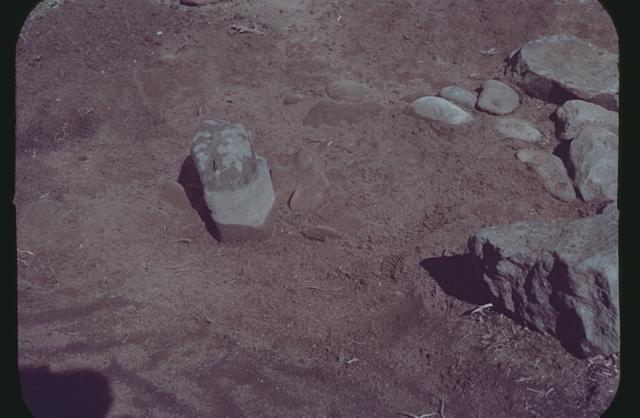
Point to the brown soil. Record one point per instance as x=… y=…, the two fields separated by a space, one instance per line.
x=128 y=307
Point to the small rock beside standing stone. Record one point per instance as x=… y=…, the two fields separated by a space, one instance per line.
x=498 y=98
x=311 y=191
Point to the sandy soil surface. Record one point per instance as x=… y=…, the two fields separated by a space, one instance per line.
x=128 y=307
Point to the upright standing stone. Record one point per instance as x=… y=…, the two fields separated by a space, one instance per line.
x=236 y=181
x=557 y=68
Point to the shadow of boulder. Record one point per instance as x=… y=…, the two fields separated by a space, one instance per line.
x=73 y=394
x=458 y=278
x=189 y=179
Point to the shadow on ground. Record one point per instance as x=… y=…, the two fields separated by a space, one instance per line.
x=190 y=180
x=72 y=394
x=457 y=278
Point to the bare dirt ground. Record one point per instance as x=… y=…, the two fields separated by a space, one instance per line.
x=129 y=308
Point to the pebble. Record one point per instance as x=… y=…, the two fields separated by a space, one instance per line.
x=321 y=233
x=293 y=98
x=459 y=96
x=498 y=98
x=310 y=192
x=515 y=128
x=438 y=109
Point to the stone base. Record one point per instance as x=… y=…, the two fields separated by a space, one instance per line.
x=229 y=233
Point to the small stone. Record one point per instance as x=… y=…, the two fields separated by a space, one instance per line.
x=174 y=194
x=438 y=109
x=575 y=115
x=304 y=159
x=310 y=192
x=333 y=113
x=552 y=172
x=290 y=99
x=321 y=233
x=593 y=161
x=349 y=91
x=562 y=67
x=498 y=98
x=194 y=2
x=519 y=129
x=459 y=96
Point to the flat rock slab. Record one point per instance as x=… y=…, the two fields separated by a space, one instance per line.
x=350 y=91
x=310 y=193
x=515 y=128
x=333 y=113
x=575 y=115
x=438 y=109
x=552 y=172
x=561 y=67
x=559 y=277
x=593 y=163
x=498 y=98
x=236 y=182
x=459 y=96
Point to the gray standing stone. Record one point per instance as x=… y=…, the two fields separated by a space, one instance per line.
x=560 y=277
x=575 y=115
x=459 y=96
x=498 y=98
x=552 y=172
x=557 y=68
x=515 y=128
x=236 y=182
x=311 y=191
x=593 y=163
x=349 y=91
x=438 y=109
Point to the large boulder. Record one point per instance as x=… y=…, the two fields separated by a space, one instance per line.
x=438 y=109
x=236 y=181
x=575 y=115
x=593 y=163
x=557 y=68
x=559 y=277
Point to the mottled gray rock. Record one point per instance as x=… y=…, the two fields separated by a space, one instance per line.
x=333 y=113
x=515 y=128
x=557 y=68
x=459 y=96
x=552 y=172
x=575 y=115
x=593 y=163
x=311 y=191
x=559 y=277
x=498 y=98
x=438 y=109
x=349 y=91
x=236 y=182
